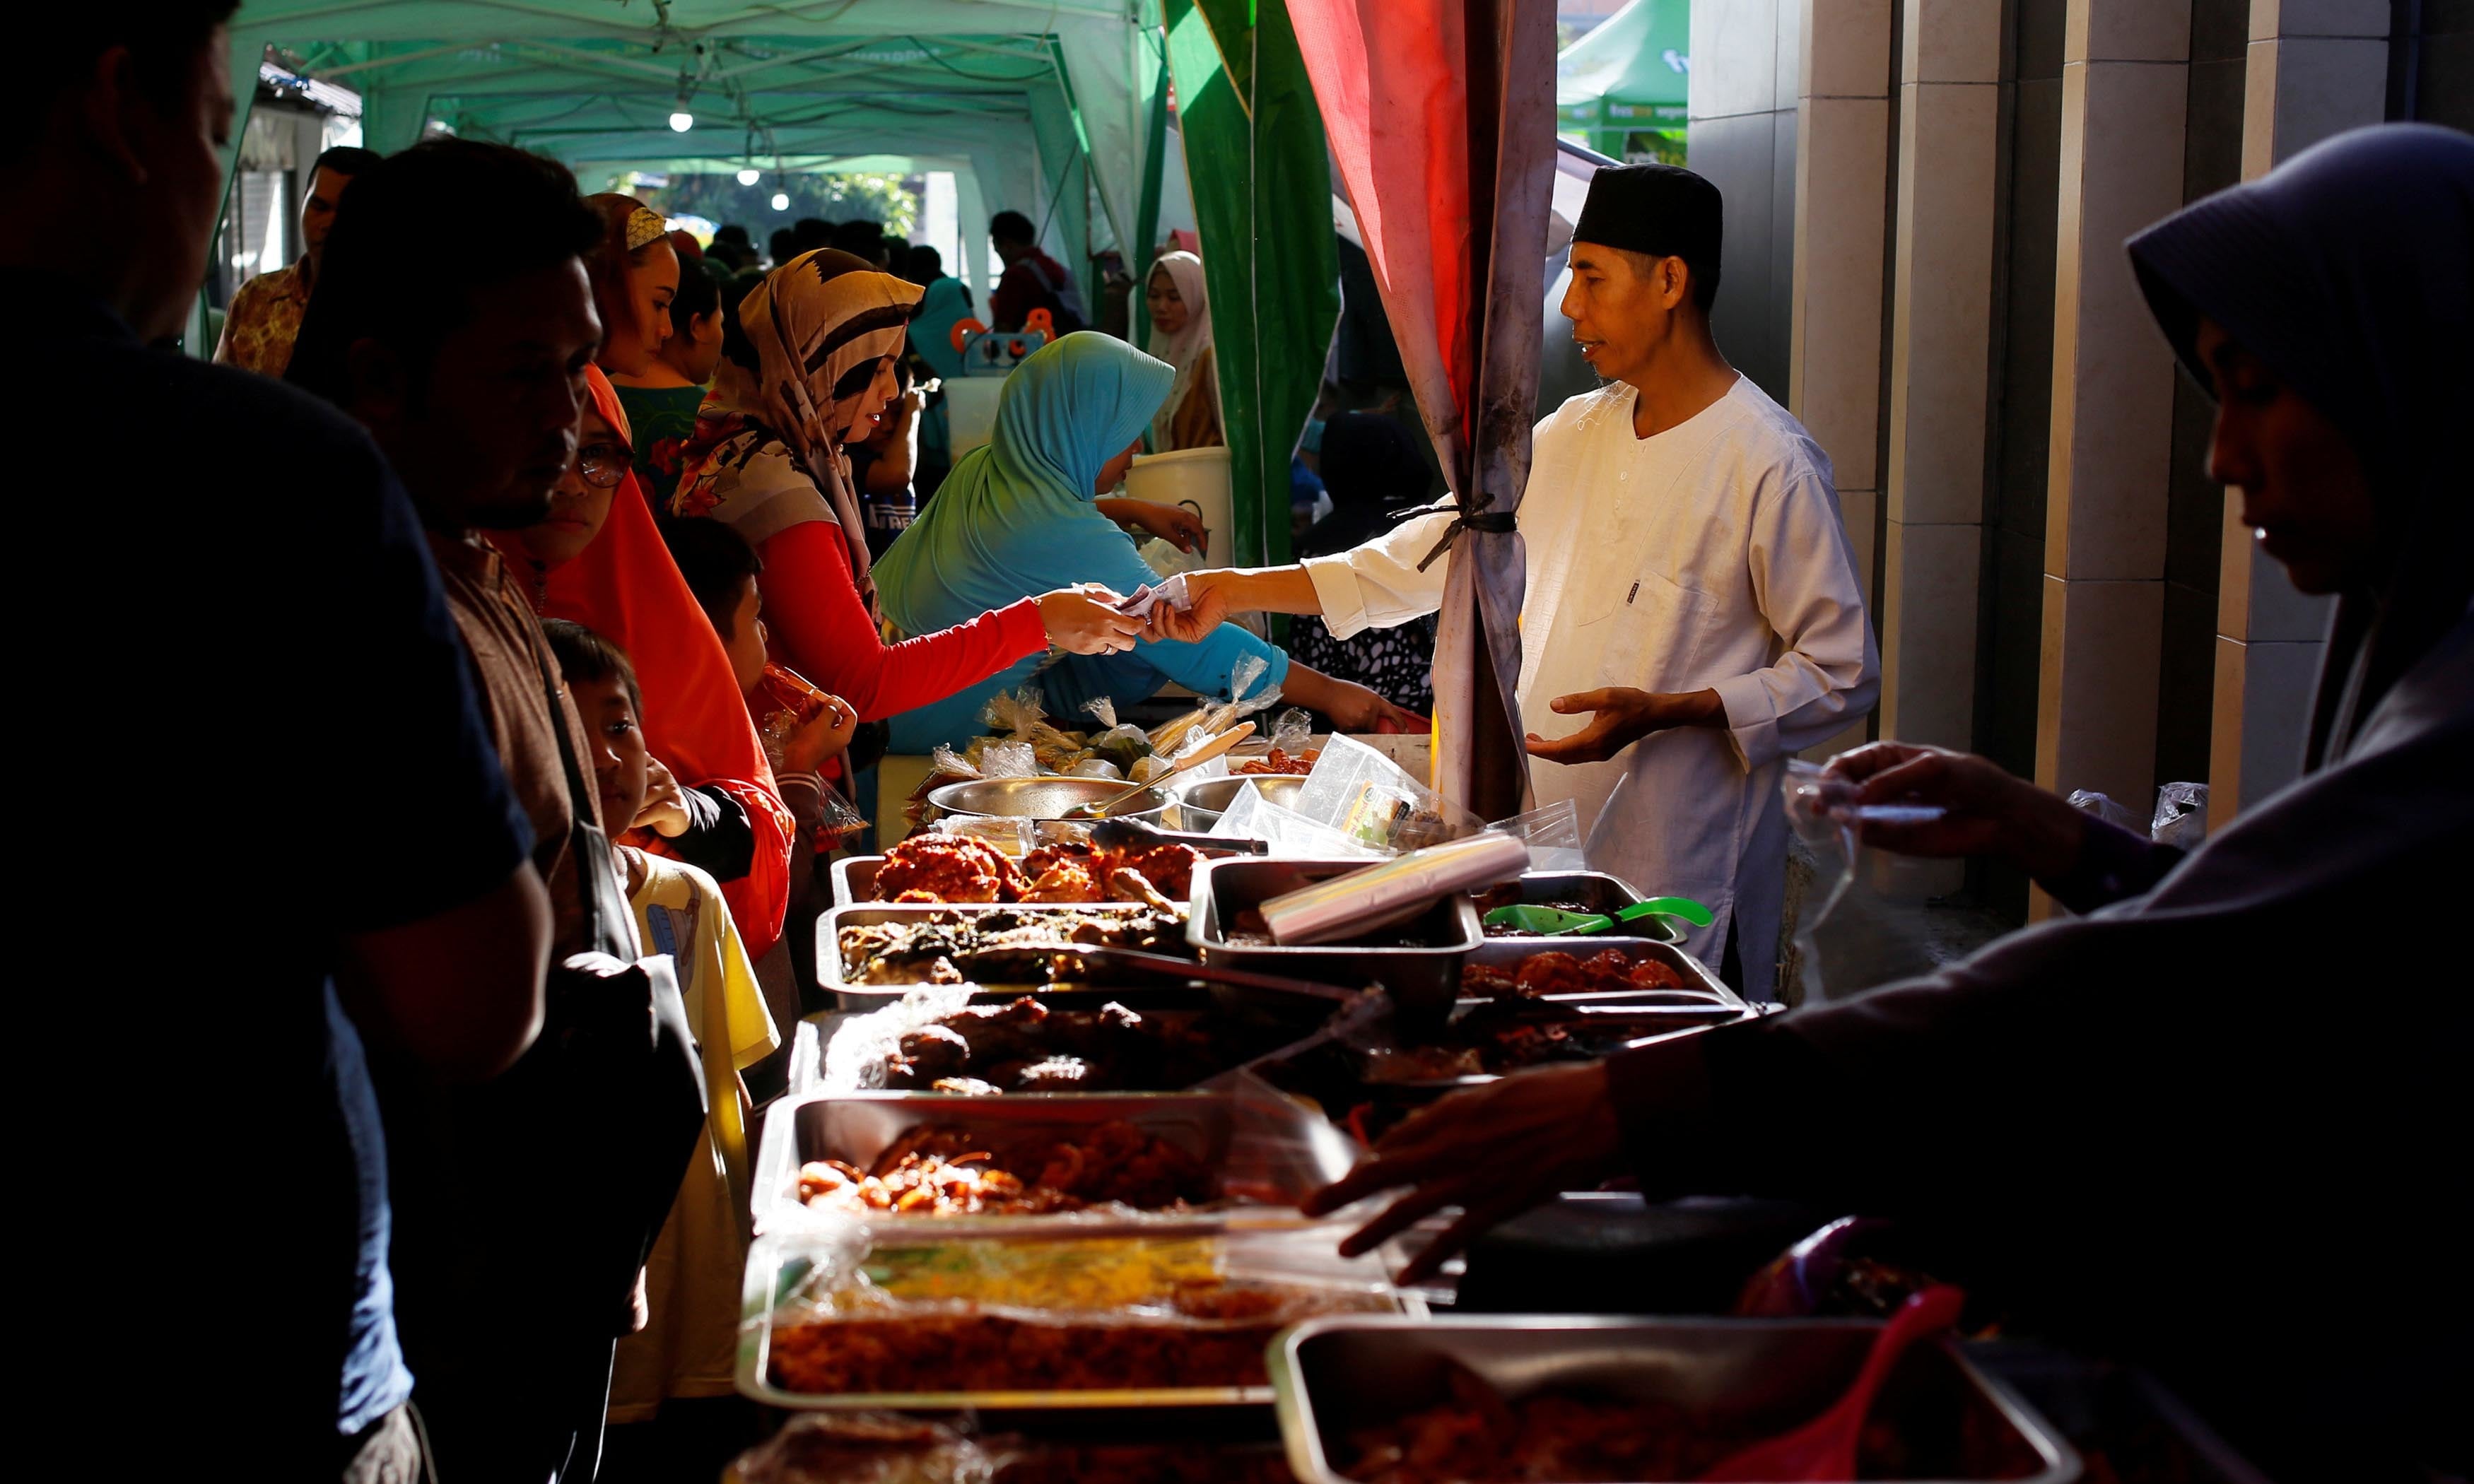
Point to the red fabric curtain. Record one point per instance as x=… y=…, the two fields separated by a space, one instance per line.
x=1441 y=115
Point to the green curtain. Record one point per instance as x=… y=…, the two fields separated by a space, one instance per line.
x=1261 y=178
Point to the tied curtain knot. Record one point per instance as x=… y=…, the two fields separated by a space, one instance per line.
x=1473 y=516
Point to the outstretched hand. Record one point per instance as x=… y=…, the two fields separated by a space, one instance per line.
x=1493 y=1151
x=1084 y=620
x=1623 y=716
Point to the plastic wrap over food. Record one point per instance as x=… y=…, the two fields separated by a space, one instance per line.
x=1095 y=767
x=2106 y=809
x=855 y=1058
x=1168 y=1312
x=1553 y=835
x=890 y=1447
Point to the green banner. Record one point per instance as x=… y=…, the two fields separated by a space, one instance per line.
x=1262 y=202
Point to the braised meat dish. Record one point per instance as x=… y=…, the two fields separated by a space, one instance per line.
x=947 y=868
x=1028 y=1048
x=999 y=947
x=1569 y=1435
x=1563 y=974
x=933 y=1170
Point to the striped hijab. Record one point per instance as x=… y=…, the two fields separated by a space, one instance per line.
x=820 y=323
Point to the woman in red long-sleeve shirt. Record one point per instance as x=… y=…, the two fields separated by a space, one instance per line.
x=807 y=367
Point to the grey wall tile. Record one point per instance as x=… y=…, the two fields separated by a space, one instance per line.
x=1737 y=155
x=2039 y=28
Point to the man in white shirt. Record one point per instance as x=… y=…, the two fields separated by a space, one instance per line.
x=1690 y=584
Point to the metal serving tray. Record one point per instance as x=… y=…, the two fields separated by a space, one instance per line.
x=1422 y=979
x=1048 y=797
x=1197 y=803
x=1594 y=891
x=1505 y=952
x=832 y=976
x=776 y=1266
x=1336 y=1374
x=1286 y=1152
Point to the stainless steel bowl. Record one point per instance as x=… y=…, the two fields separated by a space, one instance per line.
x=1044 y=798
x=1198 y=803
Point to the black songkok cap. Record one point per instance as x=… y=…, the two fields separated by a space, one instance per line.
x=1662 y=210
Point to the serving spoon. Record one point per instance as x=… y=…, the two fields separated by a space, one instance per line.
x=1824 y=1448
x=1193 y=759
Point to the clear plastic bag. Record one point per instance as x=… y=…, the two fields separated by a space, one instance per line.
x=1366 y=797
x=1291 y=835
x=1009 y=761
x=2103 y=807
x=1849 y=935
x=1243 y=698
x=1096 y=768
x=1294 y=733
x=2181 y=816
x=1121 y=745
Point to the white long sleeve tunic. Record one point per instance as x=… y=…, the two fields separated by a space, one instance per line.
x=1710 y=556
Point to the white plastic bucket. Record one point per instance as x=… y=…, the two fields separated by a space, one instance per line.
x=1196 y=475
x=971 y=411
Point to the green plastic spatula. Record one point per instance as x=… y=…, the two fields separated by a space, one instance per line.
x=1555 y=923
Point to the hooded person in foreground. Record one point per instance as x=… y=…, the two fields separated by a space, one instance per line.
x=2180 y=1131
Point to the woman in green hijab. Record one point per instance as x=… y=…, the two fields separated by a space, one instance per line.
x=1021 y=515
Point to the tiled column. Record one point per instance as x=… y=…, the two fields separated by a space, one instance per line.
x=2314 y=69
x=1940 y=325
x=1842 y=204
x=2124 y=89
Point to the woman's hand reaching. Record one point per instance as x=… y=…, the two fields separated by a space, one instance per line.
x=1207 y=609
x=1083 y=620
x=1175 y=524
x=1493 y=1151
x=1985 y=810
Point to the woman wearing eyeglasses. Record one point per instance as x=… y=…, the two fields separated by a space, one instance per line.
x=599 y=560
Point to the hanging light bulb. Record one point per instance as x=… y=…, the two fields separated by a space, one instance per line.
x=781 y=200
x=682 y=121
x=750 y=176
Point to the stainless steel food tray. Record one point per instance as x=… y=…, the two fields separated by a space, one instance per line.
x=834 y=976
x=776 y=1266
x=1336 y=1374
x=1422 y=978
x=1594 y=891
x=1282 y=1150
x=1197 y=803
x=1505 y=952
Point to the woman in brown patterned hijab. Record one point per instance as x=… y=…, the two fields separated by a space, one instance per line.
x=807 y=367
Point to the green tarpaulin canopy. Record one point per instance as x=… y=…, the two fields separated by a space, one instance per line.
x=1055 y=108
x=1628 y=76
x=1041 y=108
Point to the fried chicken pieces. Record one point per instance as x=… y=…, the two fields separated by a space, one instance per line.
x=957 y=869
x=947 y=868
x=931 y=1170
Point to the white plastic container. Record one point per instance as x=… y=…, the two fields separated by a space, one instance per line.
x=1196 y=475
x=971 y=410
